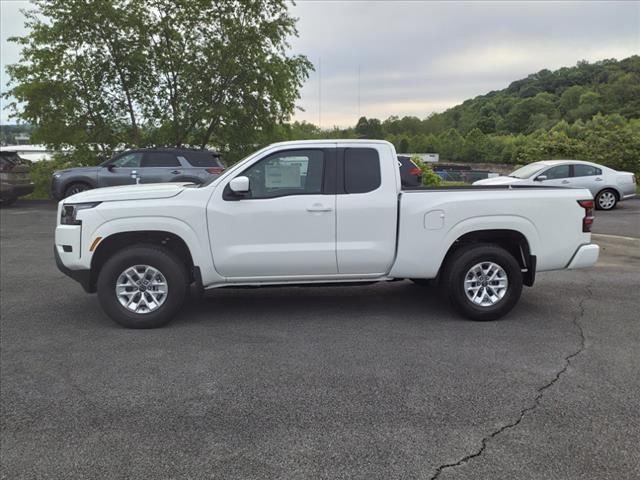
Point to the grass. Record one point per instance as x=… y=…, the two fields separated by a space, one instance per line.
x=454 y=184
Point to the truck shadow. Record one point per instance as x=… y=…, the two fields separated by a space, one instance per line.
x=394 y=299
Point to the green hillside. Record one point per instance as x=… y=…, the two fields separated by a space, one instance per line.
x=542 y=99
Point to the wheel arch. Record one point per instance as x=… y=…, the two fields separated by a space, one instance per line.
x=513 y=241
x=117 y=241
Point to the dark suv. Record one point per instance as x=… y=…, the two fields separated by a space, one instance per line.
x=410 y=173
x=15 y=180
x=149 y=165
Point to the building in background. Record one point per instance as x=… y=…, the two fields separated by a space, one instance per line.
x=425 y=157
x=34 y=153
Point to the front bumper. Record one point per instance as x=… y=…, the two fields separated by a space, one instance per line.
x=83 y=277
x=585 y=256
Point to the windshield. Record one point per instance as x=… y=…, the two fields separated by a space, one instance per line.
x=528 y=170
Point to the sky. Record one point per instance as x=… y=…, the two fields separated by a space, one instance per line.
x=382 y=58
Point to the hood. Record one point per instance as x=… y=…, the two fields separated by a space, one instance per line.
x=128 y=192
x=498 y=181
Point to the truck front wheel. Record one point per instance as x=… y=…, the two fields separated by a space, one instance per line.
x=484 y=281
x=142 y=286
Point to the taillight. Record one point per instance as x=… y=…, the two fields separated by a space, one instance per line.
x=587 y=221
x=215 y=170
x=415 y=171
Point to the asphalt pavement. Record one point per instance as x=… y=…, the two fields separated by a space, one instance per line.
x=377 y=382
x=623 y=220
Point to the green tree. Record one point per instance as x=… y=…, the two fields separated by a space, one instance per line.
x=452 y=145
x=404 y=145
x=475 y=146
x=369 y=128
x=105 y=74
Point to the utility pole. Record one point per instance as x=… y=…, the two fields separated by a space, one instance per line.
x=358 y=92
x=320 y=92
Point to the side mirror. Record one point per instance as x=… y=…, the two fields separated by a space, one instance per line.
x=239 y=185
x=541 y=178
x=110 y=167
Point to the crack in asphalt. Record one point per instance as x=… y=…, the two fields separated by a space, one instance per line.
x=536 y=400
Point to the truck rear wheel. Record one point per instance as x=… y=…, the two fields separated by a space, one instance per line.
x=142 y=286
x=483 y=281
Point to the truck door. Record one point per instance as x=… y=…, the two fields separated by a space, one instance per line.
x=286 y=225
x=367 y=209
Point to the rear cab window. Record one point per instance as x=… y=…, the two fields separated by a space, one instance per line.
x=361 y=170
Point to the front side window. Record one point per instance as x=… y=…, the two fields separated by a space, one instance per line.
x=361 y=170
x=129 y=160
x=160 y=159
x=581 y=170
x=561 y=171
x=294 y=172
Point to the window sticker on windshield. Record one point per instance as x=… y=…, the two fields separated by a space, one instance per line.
x=283 y=176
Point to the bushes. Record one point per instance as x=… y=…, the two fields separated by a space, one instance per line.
x=42 y=171
x=429 y=177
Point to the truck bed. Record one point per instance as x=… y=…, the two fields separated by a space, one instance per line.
x=433 y=218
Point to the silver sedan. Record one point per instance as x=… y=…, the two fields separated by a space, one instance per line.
x=607 y=185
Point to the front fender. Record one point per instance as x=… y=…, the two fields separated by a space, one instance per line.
x=196 y=242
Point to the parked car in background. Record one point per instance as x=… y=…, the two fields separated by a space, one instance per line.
x=607 y=185
x=410 y=173
x=151 y=165
x=15 y=180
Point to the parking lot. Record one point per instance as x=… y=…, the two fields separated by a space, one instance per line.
x=370 y=382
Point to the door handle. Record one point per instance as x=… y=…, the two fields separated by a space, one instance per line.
x=598 y=179
x=317 y=207
x=175 y=172
x=566 y=181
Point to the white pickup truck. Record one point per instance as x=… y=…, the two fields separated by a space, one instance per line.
x=317 y=212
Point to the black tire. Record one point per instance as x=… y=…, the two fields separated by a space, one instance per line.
x=174 y=271
x=76 y=187
x=604 y=198
x=7 y=202
x=460 y=264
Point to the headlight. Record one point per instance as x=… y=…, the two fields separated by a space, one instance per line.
x=69 y=212
x=57 y=175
